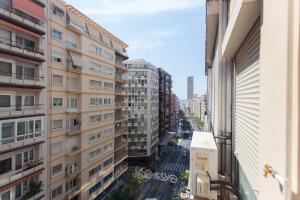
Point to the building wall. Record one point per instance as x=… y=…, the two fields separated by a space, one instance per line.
x=23 y=126
x=82 y=69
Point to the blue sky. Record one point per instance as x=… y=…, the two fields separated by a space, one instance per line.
x=168 y=33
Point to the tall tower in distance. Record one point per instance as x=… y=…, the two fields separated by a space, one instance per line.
x=190 y=89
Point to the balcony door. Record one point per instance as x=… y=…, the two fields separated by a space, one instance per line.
x=19 y=104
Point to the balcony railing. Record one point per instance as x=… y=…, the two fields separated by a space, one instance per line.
x=121 y=77
x=72 y=169
x=73 y=130
x=121 y=131
x=73 y=68
x=120 y=157
x=120 y=144
x=119 y=117
x=22 y=80
x=21 y=110
x=18 y=16
x=21 y=50
x=21 y=138
x=25 y=170
x=120 y=169
x=73 y=151
x=74 y=190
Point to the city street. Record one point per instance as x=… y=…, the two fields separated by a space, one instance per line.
x=172 y=163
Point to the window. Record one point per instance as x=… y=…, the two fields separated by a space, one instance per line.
x=95 y=101
x=107 y=55
x=108 y=86
x=5 y=68
x=24 y=43
x=5 y=166
x=5 y=101
x=5 y=35
x=57 y=191
x=95 y=170
x=57 y=148
x=108 y=71
x=107 y=147
x=108 y=116
x=72 y=102
x=57 y=169
x=57 y=35
x=95 y=49
x=29 y=100
x=23 y=158
x=57 y=80
x=107 y=178
x=95 y=67
x=57 y=57
x=107 y=162
x=95 y=118
x=96 y=187
x=94 y=154
x=58 y=12
x=8 y=131
x=107 y=101
x=57 y=102
x=5 y=195
x=95 y=136
x=38 y=125
x=57 y=124
x=95 y=84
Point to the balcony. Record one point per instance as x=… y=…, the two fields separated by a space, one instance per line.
x=72 y=109
x=120 y=169
x=121 y=131
x=73 y=191
x=119 y=105
x=16 y=17
x=25 y=170
x=11 y=143
x=74 y=130
x=71 y=24
x=73 y=68
x=10 y=47
x=119 y=157
x=73 y=151
x=119 y=117
x=73 y=47
x=72 y=169
x=120 y=143
x=19 y=110
x=22 y=81
x=122 y=78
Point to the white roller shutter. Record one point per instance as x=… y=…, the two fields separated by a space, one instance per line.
x=246 y=105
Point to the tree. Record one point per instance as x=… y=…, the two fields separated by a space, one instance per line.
x=184 y=176
x=185 y=125
x=135 y=179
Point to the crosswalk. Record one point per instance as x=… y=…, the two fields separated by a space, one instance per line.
x=175 y=167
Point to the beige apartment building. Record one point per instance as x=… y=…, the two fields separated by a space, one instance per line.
x=252 y=65
x=23 y=76
x=87 y=149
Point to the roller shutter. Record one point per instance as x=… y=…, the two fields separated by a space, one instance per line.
x=246 y=105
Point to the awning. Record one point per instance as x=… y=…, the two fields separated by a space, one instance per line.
x=30 y=8
x=19 y=28
x=76 y=58
x=167 y=138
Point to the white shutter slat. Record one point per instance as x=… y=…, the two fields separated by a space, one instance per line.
x=246 y=105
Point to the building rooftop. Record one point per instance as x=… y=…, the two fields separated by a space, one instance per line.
x=203 y=140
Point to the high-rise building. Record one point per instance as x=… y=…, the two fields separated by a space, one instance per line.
x=87 y=148
x=190 y=90
x=252 y=68
x=23 y=80
x=142 y=102
x=165 y=87
x=174 y=112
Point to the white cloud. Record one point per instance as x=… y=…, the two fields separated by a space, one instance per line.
x=120 y=8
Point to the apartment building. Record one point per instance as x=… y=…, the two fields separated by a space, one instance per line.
x=86 y=149
x=252 y=68
x=198 y=107
x=174 y=113
x=165 y=91
x=142 y=102
x=23 y=100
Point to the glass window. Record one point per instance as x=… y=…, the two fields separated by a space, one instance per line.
x=95 y=84
x=5 y=36
x=56 y=34
x=29 y=100
x=58 y=12
x=57 y=102
x=57 y=124
x=5 y=195
x=38 y=125
x=57 y=148
x=5 y=68
x=57 y=169
x=57 y=80
x=4 y=101
x=28 y=73
x=5 y=166
x=57 y=57
x=57 y=191
x=8 y=131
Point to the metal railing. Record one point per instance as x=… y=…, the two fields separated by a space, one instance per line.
x=19 y=138
x=30 y=165
x=36 y=23
x=13 y=43
x=21 y=77
x=121 y=156
x=73 y=130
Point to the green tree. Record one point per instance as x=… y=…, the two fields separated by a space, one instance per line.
x=135 y=179
x=184 y=176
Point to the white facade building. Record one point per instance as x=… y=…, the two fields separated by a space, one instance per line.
x=142 y=107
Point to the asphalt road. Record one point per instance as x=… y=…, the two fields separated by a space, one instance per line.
x=172 y=163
